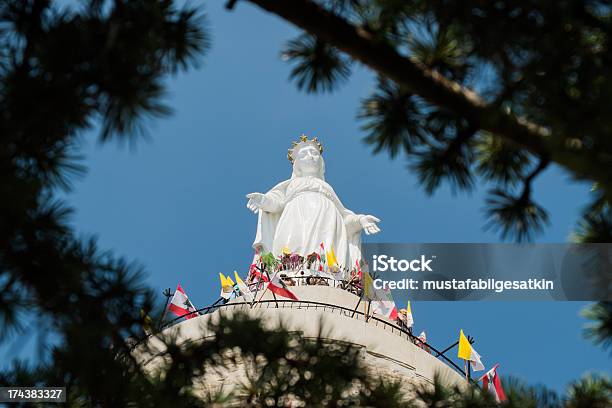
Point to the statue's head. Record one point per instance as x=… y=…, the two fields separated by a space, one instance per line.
x=306 y=158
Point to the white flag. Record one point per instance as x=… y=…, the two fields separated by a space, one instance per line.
x=244 y=289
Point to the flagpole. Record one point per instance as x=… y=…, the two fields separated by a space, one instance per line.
x=262 y=293
x=356 y=306
x=368 y=312
x=260 y=276
x=167 y=293
x=217 y=301
x=469 y=372
x=270 y=282
x=362 y=294
x=255 y=295
x=266 y=289
x=469 y=366
x=256 y=288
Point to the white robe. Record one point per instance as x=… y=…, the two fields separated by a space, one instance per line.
x=311 y=214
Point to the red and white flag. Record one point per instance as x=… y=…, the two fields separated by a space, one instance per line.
x=257 y=276
x=180 y=304
x=253 y=267
x=492 y=383
x=359 y=274
x=278 y=287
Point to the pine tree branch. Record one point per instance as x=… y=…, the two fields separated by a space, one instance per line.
x=529 y=179
x=436 y=88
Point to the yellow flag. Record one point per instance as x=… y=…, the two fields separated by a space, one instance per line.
x=238 y=280
x=227 y=286
x=368 y=285
x=224 y=282
x=465 y=348
x=409 y=318
x=286 y=250
x=467 y=352
x=331 y=257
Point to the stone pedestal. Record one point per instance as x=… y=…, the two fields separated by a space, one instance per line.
x=385 y=349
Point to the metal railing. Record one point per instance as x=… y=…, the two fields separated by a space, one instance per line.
x=352 y=286
x=311 y=305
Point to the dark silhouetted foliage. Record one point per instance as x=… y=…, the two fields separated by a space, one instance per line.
x=65 y=70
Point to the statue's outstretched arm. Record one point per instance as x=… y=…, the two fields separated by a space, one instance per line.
x=369 y=224
x=271 y=202
x=357 y=222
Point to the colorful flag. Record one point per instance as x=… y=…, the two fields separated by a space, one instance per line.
x=269 y=261
x=244 y=289
x=321 y=258
x=368 y=286
x=467 y=353
x=492 y=383
x=409 y=318
x=381 y=299
x=253 y=266
x=227 y=287
x=260 y=277
x=180 y=304
x=359 y=281
x=318 y=259
x=330 y=256
x=278 y=287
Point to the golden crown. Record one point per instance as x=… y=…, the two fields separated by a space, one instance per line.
x=304 y=141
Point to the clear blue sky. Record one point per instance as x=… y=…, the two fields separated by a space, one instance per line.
x=177 y=206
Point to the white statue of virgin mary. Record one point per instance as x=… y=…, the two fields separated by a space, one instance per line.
x=304 y=212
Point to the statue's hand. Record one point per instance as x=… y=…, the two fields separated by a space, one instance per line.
x=259 y=201
x=368 y=223
x=256 y=201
